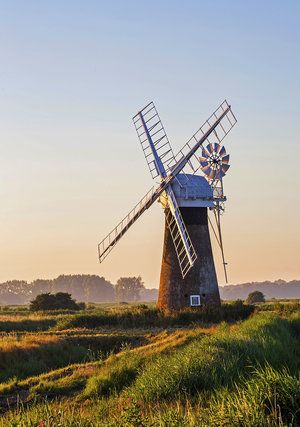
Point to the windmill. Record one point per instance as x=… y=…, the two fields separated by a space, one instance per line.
x=188 y=186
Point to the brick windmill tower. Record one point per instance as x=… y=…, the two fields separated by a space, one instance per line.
x=189 y=185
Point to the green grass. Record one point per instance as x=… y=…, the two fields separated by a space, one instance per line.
x=27 y=355
x=237 y=373
x=145 y=317
x=284 y=308
x=28 y=325
x=270 y=398
x=118 y=317
x=218 y=360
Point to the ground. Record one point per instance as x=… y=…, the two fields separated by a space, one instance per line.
x=122 y=365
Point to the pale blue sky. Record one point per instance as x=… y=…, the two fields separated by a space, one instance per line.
x=72 y=75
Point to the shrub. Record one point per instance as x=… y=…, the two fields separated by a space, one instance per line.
x=61 y=300
x=255 y=297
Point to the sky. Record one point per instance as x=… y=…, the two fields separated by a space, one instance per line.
x=72 y=75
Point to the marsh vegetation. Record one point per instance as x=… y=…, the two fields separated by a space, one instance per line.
x=120 y=365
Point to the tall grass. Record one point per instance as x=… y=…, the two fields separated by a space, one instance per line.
x=270 y=398
x=23 y=356
x=119 y=371
x=282 y=308
x=126 y=317
x=242 y=374
x=219 y=360
x=145 y=317
x=30 y=324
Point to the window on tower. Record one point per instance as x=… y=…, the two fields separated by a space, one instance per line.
x=195 y=300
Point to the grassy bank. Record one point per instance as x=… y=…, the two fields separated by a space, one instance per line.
x=26 y=355
x=146 y=317
x=234 y=374
x=218 y=360
x=120 y=317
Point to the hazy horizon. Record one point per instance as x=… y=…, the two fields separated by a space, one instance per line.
x=146 y=285
x=71 y=167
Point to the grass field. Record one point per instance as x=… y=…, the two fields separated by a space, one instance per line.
x=133 y=366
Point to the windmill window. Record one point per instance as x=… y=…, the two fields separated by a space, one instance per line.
x=195 y=300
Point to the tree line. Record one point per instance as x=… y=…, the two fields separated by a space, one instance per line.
x=92 y=288
x=82 y=287
x=277 y=289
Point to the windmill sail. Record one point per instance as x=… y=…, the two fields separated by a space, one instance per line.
x=184 y=248
x=213 y=131
x=108 y=243
x=150 y=130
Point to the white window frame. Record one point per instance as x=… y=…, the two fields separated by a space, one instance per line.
x=191 y=300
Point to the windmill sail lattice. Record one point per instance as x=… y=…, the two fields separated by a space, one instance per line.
x=221 y=121
x=147 y=123
x=107 y=244
x=159 y=150
x=182 y=242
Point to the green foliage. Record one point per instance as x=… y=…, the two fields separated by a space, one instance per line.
x=28 y=325
x=255 y=297
x=146 y=317
x=218 y=360
x=132 y=415
x=236 y=374
x=114 y=377
x=59 y=301
x=57 y=387
x=282 y=308
x=122 y=317
x=269 y=398
x=21 y=358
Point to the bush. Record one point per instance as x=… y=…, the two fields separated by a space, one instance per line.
x=255 y=297
x=61 y=300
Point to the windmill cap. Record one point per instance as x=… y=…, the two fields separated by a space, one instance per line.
x=192 y=191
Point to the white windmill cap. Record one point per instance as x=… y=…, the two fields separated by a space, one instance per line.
x=192 y=191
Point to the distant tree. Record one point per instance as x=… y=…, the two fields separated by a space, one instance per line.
x=254 y=297
x=128 y=288
x=149 y=294
x=14 y=292
x=97 y=289
x=59 y=301
x=84 y=287
x=40 y=286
